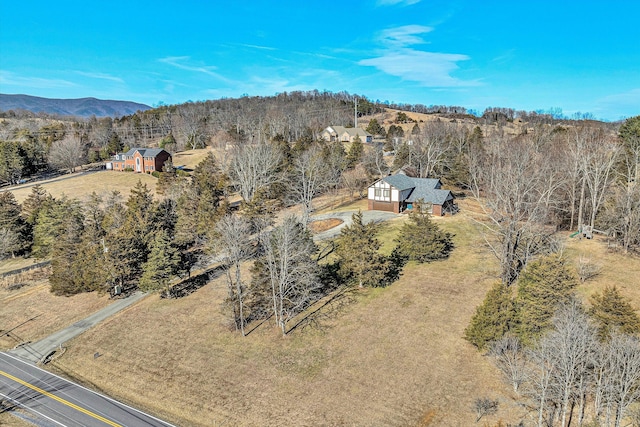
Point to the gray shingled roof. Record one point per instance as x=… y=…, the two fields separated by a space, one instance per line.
x=423 y=188
x=401 y=182
x=437 y=197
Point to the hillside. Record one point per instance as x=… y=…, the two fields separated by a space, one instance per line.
x=82 y=107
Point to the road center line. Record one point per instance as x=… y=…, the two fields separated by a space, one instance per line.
x=59 y=399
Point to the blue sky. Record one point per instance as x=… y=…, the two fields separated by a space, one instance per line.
x=529 y=55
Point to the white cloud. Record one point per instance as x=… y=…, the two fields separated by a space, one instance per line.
x=619 y=105
x=395 y=2
x=429 y=69
x=405 y=35
x=10 y=79
x=101 y=76
x=182 y=62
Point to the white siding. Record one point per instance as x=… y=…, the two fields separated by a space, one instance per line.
x=394 y=195
x=380 y=191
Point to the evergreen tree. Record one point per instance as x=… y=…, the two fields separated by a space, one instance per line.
x=161 y=265
x=402 y=157
x=128 y=243
x=14 y=235
x=355 y=152
x=357 y=252
x=374 y=128
x=542 y=286
x=493 y=318
x=33 y=203
x=421 y=239
x=49 y=224
x=614 y=313
x=12 y=162
x=66 y=260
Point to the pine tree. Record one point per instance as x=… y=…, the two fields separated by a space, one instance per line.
x=493 y=318
x=542 y=286
x=33 y=203
x=355 y=152
x=614 y=313
x=66 y=261
x=357 y=252
x=374 y=128
x=14 y=236
x=420 y=239
x=402 y=156
x=161 y=265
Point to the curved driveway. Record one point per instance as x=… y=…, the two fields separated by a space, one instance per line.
x=367 y=217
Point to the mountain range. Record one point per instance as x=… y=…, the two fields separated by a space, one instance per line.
x=82 y=107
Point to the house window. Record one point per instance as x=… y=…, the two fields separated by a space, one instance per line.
x=377 y=192
x=386 y=193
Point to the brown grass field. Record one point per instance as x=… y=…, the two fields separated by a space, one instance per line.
x=387 y=357
x=103 y=182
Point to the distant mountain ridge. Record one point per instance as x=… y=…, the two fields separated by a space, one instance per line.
x=82 y=107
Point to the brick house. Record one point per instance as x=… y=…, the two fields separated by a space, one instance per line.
x=397 y=193
x=140 y=160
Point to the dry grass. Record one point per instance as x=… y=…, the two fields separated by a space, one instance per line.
x=103 y=182
x=51 y=312
x=189 y=159
x=8 y=420
x=393 y=357
x=10 y=264
x=81 y=186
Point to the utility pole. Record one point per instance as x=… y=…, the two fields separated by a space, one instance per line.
x=355 y=114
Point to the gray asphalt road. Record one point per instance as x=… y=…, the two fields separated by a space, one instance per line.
x=367 y=216
x=58 y=402
x=34 y=352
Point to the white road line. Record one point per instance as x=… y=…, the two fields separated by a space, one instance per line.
x=31 y=410
x=91 y=391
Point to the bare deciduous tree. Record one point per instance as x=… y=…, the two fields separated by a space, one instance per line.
x=293 y=274
x=254 y=167
x=518 y=186
x=310 y=176
x=233 y=244
x=68 y=153
x=509 y=356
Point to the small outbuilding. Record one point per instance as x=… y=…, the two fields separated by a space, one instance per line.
x=397 y=193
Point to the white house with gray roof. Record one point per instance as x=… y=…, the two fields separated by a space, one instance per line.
x=343 y=134
x=396 y=193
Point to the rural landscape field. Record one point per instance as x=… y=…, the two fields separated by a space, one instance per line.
x=379 y=213
x=400 y=354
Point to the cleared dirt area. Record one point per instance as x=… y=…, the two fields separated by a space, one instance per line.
x=324 y=225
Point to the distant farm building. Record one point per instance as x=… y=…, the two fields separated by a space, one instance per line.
x=140 y=160
x=399 y=192
x=343 y=134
